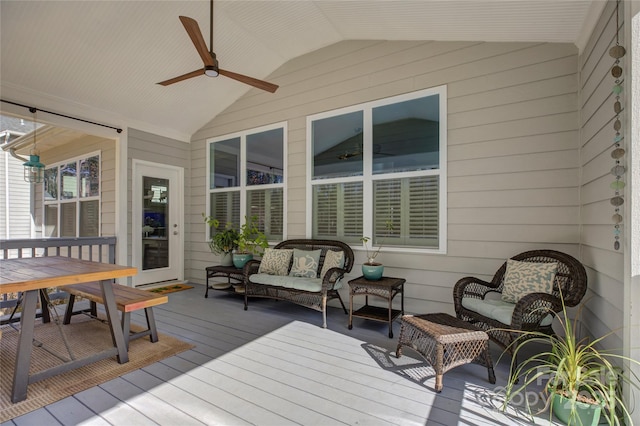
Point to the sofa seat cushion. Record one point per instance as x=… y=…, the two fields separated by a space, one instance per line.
x=313 y=285
x=496 y=309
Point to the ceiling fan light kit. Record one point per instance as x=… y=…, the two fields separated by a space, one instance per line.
x=208 y=57
x=211 y=71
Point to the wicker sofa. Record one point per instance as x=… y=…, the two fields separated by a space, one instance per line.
x=312 y=292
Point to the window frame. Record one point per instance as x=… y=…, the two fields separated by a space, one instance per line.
x=368 y=177
x=242 y=186
x=77 y=200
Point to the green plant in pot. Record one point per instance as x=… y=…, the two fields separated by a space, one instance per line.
x=250 y=241
x=371 y=269
x=582 y=382
x=223 y=241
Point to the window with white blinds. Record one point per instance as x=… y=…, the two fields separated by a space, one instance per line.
x=72 y=198
x=246 y=179
x=379 y=170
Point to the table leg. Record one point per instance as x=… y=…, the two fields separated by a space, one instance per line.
x=114 y=325
x=23 y=354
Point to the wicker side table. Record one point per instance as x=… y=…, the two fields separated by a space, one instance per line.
x=385 y=288
x=228 y=272
x=445 y=342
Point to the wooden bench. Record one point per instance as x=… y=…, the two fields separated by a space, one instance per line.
x=128 y=299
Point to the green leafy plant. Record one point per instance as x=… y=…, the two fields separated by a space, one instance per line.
x=222 y=240
x=250 y=239
x=574 y=368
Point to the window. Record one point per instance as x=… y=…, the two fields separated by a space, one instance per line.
x=72 y=198
x=246 y=178
x=381 y=163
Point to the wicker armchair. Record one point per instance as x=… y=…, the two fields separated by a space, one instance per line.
x=531 y=312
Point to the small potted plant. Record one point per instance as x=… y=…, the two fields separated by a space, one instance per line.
x=582 y=381
x=250 y=241
x=223 y=241
x=371 y=269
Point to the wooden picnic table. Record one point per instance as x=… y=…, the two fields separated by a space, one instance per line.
x=30 y=275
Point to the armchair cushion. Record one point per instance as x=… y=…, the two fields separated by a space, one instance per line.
x=305 y=263
x=496 y=309
x=275 y=262
x=522 y=278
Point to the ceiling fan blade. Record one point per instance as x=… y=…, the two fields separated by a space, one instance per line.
x=269 y=87
x=182 y=77
x=198 y=41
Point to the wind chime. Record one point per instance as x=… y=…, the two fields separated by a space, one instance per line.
x=618 y=170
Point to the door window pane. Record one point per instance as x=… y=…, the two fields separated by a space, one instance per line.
x=225 y=163
x=406 y=136
x=337 y=146
x=155 y=217
x=265 y=157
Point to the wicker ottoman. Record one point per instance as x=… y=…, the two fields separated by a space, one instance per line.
x=445 y=342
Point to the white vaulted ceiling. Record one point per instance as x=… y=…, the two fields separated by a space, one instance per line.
x=103 y=58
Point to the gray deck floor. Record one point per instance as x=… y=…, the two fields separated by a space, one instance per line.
x=275 y=365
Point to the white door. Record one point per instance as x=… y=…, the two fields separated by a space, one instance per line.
x=157 y=222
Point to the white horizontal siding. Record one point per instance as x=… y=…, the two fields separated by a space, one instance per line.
x=605 y=298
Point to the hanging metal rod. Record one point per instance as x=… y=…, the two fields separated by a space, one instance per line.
x=34 y=109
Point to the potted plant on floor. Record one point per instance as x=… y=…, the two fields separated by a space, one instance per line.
x=250 y=241
x=581 y=381
x=223 y=241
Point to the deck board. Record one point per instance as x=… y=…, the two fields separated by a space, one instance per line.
x=275 y=365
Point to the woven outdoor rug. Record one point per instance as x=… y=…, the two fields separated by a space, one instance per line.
x=85 y=336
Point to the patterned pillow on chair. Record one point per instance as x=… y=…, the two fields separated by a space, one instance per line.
x=333 y=259
x=522 y=278
x=305 y=263
x=275 y=262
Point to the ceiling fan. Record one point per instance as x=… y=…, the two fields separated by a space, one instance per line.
x=211 y=68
